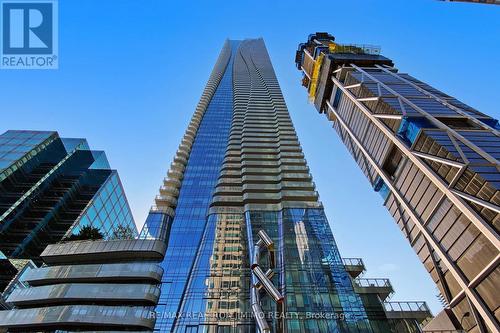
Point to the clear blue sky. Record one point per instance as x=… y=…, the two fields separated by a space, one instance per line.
x=131 y=73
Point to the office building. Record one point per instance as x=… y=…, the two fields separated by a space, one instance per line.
x=51 y=187
x=249 y=247
x=432 y=158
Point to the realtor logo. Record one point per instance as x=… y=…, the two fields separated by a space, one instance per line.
x=28 y=34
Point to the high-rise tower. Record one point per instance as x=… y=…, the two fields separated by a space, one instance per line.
x=433 y=159
x=248 y=242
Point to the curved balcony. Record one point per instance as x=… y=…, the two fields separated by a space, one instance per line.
x=296 y=176
x=186 y=141
x=260 y=151
x=292 y=161
x=233 y=147
x=293 y=148
x=166 y=200
x=260 y=157
x=232 y=153
x=258 y=163
x=274 y=145
x=191 y=130
x=248 y=188
x=189 y=135
x=230 y=173
x=288 y=142
x=227 y=181
x=175 y=174
x=295 y=168
x=183 y=153
x=180 y=159
x=233 y=141
x=163 y=209
x=78 y=317
x=68 y=293
x=227 y=200
x=302 y=204
x=234 y=135
x=169 y=190
x=194 y=122
x=260 y=171
x=185 y=147
x=289 y=137
x=123 y=272
x=288 y=154
x=261 y=179
x=177 y=166
x=300 y=195
x=228 y=190
x=227 y=166
x=172 y=182
x=259 y=131
x=264 y=198
x=103 y=251
x=296 y=185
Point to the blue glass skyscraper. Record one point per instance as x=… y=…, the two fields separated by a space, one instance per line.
x=249 y=247
x=51 y=187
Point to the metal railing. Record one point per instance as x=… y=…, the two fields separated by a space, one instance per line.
x=353 y=262
x=365 y=282
x=356 y=49
x=406 y=306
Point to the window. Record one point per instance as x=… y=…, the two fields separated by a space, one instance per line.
x=392 y=161
x=191 y=329
x=458 y=123
x=336 y=99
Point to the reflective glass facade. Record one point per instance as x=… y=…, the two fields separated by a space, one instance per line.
x=107 y=211
x=51 y=187
x=17 y=147
x=200 y=177
x=311 y=271
x=246 y=232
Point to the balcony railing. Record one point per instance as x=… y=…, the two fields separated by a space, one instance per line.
x=372 y=282
x=353 y=261
x=406 y=306
x=355 y=49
